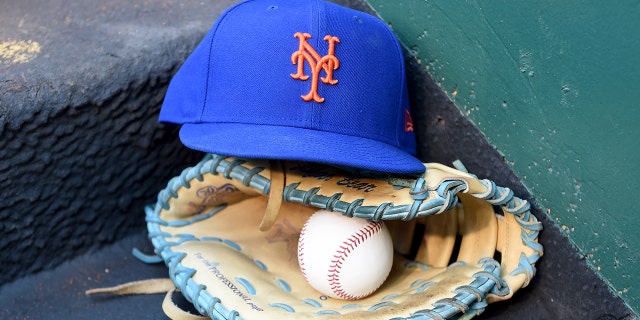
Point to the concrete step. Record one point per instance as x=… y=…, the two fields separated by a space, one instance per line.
x=81 y=150
x=81 y=153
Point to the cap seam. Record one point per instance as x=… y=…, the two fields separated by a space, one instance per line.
x=214 y=39
x=318 y=17
x=400 y=108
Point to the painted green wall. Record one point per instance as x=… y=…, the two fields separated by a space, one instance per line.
x=554 y=85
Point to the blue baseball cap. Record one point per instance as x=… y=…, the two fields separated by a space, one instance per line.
x=297 y=80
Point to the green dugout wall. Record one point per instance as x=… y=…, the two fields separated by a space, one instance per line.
x=554 y=86
x=550 y=85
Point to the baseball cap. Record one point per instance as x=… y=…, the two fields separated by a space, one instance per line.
x=297 y=80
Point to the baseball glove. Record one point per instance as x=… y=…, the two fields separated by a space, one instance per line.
x=228 y=228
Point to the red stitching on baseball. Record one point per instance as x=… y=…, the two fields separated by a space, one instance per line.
x=301 y=252
x=343 y=252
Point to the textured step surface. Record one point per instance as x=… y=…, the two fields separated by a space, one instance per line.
x=81 y=150
x=81 y=153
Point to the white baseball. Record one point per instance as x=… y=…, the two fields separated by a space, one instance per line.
x=342 y=257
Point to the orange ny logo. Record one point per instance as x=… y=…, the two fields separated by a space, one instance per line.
x=328 y=63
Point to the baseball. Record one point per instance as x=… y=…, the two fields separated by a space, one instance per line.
x=342 y=257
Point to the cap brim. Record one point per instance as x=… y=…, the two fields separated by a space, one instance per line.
x=290 y=143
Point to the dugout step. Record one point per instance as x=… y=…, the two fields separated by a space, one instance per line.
x=81 y=153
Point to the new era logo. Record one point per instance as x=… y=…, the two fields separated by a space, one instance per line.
x=307 y=54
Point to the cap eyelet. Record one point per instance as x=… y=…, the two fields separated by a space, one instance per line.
x=272 y=7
